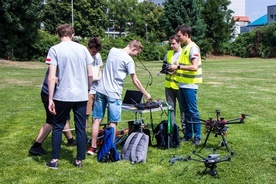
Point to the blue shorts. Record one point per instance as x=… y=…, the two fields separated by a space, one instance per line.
x=113 y=105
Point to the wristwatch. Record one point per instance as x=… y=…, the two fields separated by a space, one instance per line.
x=178 y=67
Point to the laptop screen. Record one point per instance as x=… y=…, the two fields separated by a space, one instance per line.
x=132 y=97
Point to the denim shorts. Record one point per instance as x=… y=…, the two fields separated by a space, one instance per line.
x=113 y=106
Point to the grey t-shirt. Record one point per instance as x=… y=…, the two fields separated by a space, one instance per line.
x=71 y=59
x=118 y=65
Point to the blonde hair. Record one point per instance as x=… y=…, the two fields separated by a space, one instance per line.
x=136 y=44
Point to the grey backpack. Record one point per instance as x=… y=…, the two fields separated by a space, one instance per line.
x=136 y=148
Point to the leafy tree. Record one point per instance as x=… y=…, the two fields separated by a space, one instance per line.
x=122 y=14
x=219 y=24
x=19 y=23
x=178 y=12
x=148 y=20
x=260 y=42
x=89 y=16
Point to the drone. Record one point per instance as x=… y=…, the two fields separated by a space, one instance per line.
x=219 y=127
x=210 y=161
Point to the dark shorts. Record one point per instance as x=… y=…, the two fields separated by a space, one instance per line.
x=49 y=117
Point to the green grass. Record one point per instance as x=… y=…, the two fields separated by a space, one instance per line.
x=233 y=86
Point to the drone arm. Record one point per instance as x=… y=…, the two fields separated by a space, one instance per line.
x=224 y=159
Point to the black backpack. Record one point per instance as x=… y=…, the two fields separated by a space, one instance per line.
x=163 y=138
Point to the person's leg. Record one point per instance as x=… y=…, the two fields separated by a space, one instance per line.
x=68 y=134
x=95 y=132
x=193 y=112
x=171 y=99
x=63 y=111
x=114 y=113
x=89 y=108
x=44 y=131
x=98 y=114
x=79 y=110
x=188 y=134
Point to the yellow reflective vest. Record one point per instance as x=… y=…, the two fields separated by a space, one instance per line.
x=170 y=80
x=186 y=76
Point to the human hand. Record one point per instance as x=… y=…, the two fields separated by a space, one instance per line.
x=148 y=97
x=52 y=107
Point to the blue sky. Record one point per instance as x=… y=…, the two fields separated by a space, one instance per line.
x=254 y=9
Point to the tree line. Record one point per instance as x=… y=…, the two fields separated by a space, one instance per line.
x=27 y=28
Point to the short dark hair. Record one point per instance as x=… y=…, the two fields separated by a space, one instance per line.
x=184 y=29
x=95 y=43
x=65 y=30
x=176 y=38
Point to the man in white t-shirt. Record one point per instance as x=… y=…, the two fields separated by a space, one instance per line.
x=71 y=63
x=118 y=65
x=94 y=47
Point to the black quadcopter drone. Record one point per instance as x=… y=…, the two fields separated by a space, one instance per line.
x=209 y=162
x=219 y=127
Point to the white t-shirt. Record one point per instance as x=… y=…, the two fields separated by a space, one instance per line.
x=97 y=62
x=71 y=59
x=118 y=65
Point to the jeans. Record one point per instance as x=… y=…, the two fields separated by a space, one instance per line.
x=188 y=103
x=63 y=110
x=171 y=96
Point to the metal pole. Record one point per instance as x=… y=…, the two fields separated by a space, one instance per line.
x=72 y=12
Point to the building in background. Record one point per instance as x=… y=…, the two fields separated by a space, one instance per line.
x=271 y=14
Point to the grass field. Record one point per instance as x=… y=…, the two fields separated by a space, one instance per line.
x=231 y=85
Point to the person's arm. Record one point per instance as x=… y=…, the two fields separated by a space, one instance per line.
x=51 y=87
x=192 y=67
x=90 y=75
x=139 y=86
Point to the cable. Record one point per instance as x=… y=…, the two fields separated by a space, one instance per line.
x=149 y=83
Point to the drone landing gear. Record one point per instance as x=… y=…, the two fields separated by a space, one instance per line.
x=213 y=169
x=221 y=144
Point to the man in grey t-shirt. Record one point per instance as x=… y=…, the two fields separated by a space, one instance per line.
x=118 y=65
x=72 y=64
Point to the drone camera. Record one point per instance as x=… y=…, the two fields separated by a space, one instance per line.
x=213 y=157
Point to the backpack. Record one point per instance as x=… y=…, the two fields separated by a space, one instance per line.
x=135 y=148
x=135 y=126
x=165 y=140
x=108 y=151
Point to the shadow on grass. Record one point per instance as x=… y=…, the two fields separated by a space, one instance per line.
x=66 y=154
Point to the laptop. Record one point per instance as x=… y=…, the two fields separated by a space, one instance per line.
x=132 y=97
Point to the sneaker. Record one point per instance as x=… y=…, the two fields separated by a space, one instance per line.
x=77 y=164
x=52 y=165
x=197 y=141
x=184 y=139
x=37 y=151
x=92 y=151
x=71 y=143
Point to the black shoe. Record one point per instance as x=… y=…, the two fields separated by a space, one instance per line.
x=77 y=164
x=71 y=143
x=37 y=151
x=196 y=141
x=52 y=165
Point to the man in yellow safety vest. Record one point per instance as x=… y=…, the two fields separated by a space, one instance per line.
x=188 y=76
